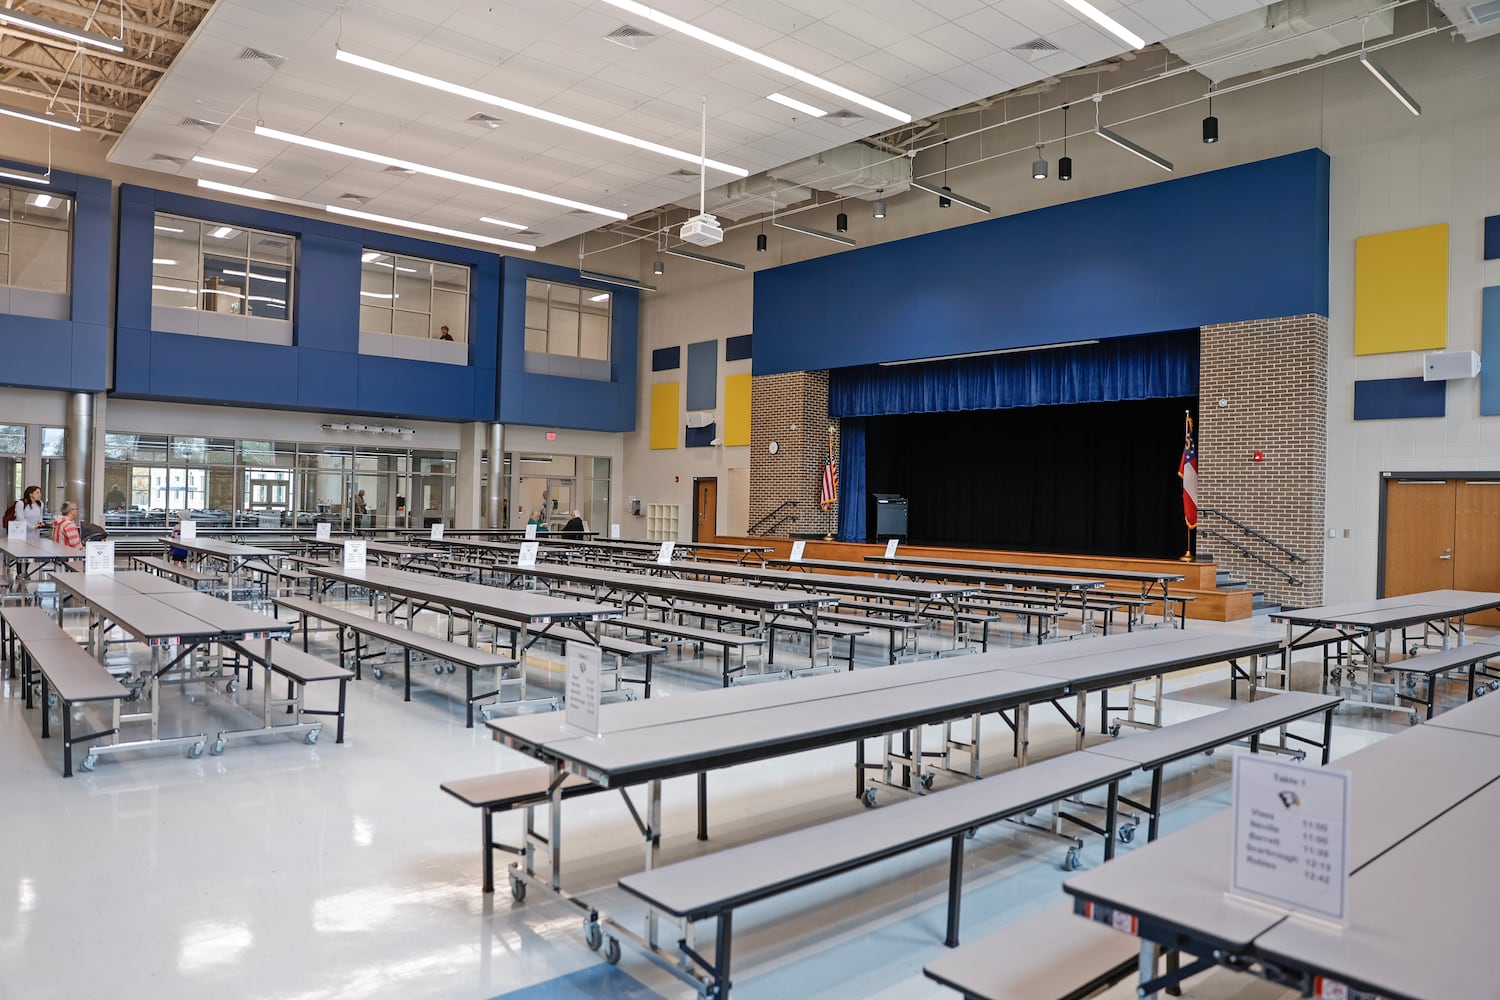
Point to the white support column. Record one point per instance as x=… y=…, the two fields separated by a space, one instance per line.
x=467 y=513
x=494 y=494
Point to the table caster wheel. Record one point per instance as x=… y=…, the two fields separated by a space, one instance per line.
x=196 y=750
x=1072 y=861
x=1114 y=729
x=868 y=798
x=379 y=672
x=1127 y=833
x=1495 y=685
x=217 y=749
x=232 y=687
x=1481 y=691
x=593 y=935
x=311 y=739
x=438 y=669
x=518 y=890
x=1415 y=718
x=612 y=951
x=452 y=668
x=1299 y=756
x=926 y=781
x=1209 y=752
x=90 y=762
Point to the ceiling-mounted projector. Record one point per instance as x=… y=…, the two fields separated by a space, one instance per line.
x=702 y=231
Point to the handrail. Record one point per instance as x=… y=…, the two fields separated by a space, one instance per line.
x=1294 y=557
x=1242 y=550
x=759 y=527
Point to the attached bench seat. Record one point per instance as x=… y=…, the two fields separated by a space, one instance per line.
x=1430 y=666
x=66 y=670
x=1052 y=955
x=182 y=574
x=494 y=793
x=619 y=647
x=726 y=641
x=471 y=658
x=301 y=669
x=833 y=630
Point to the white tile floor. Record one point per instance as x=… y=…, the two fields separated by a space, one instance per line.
x=288 y=871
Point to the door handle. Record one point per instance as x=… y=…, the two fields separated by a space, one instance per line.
x=1445 y=557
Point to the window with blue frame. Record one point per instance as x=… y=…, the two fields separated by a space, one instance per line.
x=567 y=329
x=229 y=270
x=413 y=297
x=35 y=251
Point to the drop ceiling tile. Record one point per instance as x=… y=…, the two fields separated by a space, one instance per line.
x=840 y=44
x=1223 y=10
x=959 y=41
x=1002 y=31
x=1171 y=17
x=1042 y=16
x=952 y=10
x=1086 y=43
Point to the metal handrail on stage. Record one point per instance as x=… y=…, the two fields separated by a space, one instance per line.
x=779 y=516
x=1294 y=557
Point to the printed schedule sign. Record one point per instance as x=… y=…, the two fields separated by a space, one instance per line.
x=531 y=531
x=99 y=557
x=890 y=548
x=797 y=549
x=584 y=691
x=664 y=554
x=187 y=529
x=324 y=531
x=614 y=531
x=437 y=531
x=354 y=555
x=15 y=531
x=528 y=554
x=1291 y=836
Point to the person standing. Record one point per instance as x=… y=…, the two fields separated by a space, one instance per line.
x=29 y=510
x=65 y=526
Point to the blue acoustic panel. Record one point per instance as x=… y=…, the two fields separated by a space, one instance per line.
x=665 y=359
x=1489 y=366
x=1399 y=398
x=703 y=375
x=701 y=437
x=738 y=348
x=1492 y=238
x=1165 y=256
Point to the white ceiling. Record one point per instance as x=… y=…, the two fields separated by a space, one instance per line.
x=921 y=56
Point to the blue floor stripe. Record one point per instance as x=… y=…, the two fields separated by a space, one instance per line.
x=594 y=983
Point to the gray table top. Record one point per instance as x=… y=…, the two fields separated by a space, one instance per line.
x=908 y=589
x=1191 y=649
x=704 y=885
x=751 y=598
x=164 y=610
x=1392 y=612
x=1419 y=915
x=214 y=547
x=1482 y=715
x=1137 y=575
x=512 y=605
x=39 y=548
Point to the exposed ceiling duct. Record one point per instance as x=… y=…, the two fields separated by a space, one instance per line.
x=1238 y=46
x=742 y=199
x=852 y=171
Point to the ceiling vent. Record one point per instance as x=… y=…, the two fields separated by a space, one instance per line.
x=350 y=198
x=629 y=36
x=1033 y=50
x=488 y=121
x=199 y=123
x=176 y=161
x=399 y=171
x=274 y=61
x=685 y=172
x=843 y=117
x=1484 y=13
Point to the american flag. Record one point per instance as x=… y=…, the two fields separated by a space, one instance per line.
x=830 y=484
x=1187 y=471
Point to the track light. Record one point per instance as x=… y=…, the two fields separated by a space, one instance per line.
x=1130 y=147
x=841 y=222
x=760 y=242
x=879 y=208
x=946 y=196
x=1039 y=166
x=658 y=267
x=1389 y=82
x=1065 y=168
x=704 y=258
x=1210 y=124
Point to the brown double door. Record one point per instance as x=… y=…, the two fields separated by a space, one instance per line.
x=1441 y=534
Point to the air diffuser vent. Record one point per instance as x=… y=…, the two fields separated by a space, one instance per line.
x=1034 y=49
x=629 y=36
x=274 y=61
x=176 y=161
x=488 y=121
x=199 y=123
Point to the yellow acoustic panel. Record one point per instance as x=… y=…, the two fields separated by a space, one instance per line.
x=737 y=409
x=664 y=408
x=1401 y=291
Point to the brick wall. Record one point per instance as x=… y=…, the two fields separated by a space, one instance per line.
x=1273 y=377
x=792 y=410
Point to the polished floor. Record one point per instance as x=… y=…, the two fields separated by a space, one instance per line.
x=297 y=872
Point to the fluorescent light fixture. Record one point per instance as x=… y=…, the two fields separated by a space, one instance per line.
x=1108 y=23
x=1389 y=82
x=614 y=279
x=985 y=354
x=167 y=229
x=165 y=262
x=421 y=168
x=435 y=83
x=20 y=175
x=211 y=162
x=257 y=276
x=601 y=297
x=27 y=116
x=518 y=227
x=378 y=295
x=1130 y=147
x=759 y=58
x=337 y=210
x=943 y=192
x=426 y=228
x=33 y=23
x=222 y=233
x=809 y=231
x=796 y=105
x=690 y=255
x=41 y=200
x=369 y=257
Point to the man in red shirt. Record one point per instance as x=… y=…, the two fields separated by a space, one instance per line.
x=65 y=526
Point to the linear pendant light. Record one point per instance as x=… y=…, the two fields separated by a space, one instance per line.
x=1130 y=147
x=759 y=58
x=690 y=255
x=943 y=192
x=614 y=279
x=1108 y=23
x=31 y=22
x=28 y=116
x=421 y=79
x=809 y=231
x=422 y=168
x=1389 y=82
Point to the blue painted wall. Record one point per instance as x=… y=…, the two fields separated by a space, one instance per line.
x=555 y=400
x=70 y=354
x=323 y=369
x=1247 y=242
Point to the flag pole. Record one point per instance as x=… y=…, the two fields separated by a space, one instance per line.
x=833 y=505
x=1187 y=556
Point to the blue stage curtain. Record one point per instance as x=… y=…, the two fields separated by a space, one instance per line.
x=1158 y=366
x=852 y=479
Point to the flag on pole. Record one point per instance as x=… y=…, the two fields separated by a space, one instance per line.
x=830 y=495
x=1187 y=471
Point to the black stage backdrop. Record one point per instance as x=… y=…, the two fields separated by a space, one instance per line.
x=1097 y=478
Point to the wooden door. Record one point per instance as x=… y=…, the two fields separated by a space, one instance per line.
x=1419 y=543
x=705 y=510
x=1476 y=540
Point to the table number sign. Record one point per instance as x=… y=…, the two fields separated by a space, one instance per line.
x=1291 y=836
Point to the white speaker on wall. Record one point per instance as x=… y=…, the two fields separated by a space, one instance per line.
x=1446 y=365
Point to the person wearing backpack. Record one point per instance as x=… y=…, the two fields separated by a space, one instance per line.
x=28 y=510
